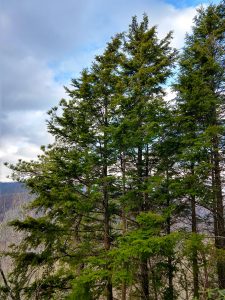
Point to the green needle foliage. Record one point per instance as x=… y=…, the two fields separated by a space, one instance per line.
x=201 y=111
x=118 y=197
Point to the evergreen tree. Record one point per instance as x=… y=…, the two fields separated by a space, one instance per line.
x=146 y=65
x=200 y=100
x=124 y=173
x=74 y=185
x=108 y=126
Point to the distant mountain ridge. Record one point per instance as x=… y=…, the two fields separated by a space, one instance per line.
x=11 y=188
x=13 y=198
x=12 y=194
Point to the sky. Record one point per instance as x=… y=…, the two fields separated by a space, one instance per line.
x=45 y=43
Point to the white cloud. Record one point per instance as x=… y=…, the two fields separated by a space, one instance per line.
x=44 y=43
x=170 y=94
x=22 y=141
x=11 y=151
x=27 y=84
x=177 y=20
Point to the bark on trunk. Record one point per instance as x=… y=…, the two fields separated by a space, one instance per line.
x=124 y=223
x=219 y=223
x=144 y=262
x=144 y=280
x=195 y=267
x=107 y=240
x=170 y=294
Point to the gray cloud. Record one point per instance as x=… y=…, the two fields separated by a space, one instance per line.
x=27 y=84
x=44 y=43
x=53 y=29
x=16 y=124
x=41 y=27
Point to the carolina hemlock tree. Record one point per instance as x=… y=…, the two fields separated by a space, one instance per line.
x=201 y=103
x=126 y=171
x=145 y=67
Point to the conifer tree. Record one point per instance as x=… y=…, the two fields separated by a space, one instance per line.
x=73 y=177
x=146 y=65
x=106 y=168
x=200 y=100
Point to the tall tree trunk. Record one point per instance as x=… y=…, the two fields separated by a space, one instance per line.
x=145 y=205
x=144 y=262
x=195 y=267
x=107 y=241
x=124 y=222
x=219 y=223
x=144 y=280
x=170 y=294
x=140 y=178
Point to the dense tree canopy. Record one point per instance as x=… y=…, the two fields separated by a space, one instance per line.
x=129 y=197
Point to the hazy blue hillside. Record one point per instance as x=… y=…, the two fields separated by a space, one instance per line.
x=11 y=188
x=12 y=194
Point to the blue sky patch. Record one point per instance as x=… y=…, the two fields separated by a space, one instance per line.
x=188 y=3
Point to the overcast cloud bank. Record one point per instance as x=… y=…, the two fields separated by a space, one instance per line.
x=46 y=43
